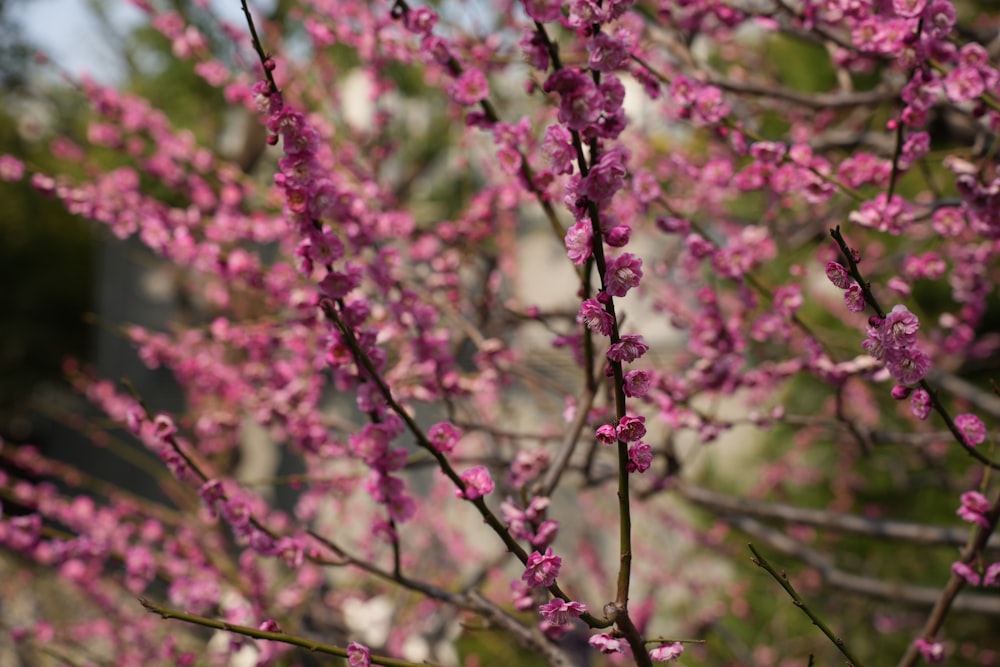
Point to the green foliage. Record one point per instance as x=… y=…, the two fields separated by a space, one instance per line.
x=46 y=268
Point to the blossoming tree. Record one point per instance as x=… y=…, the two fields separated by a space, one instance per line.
x=822 y=247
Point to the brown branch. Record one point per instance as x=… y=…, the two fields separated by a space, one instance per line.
x=948 y=598
x=254 y=633
x=837 y=579
x=840 y=100
x=846 y=523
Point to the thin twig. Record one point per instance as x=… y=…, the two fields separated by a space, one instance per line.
x=294 y=640
x=915 y=533
x=782 y=580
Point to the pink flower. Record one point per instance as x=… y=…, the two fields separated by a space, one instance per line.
x=972 y=429
x=640 y=456
x=543 y=11
x=907 y=365
x=578 y=239
x=559 y=611
x=992 y=575
x=900 y=327
x=637 y=383
x=940 y=18
x=606 y=434
x=974 y=508
x=965 y=571
x=444 y=436
x=619 y=236
x=163 y=427
x=932 y=651
x=964 y=84
x=607 y=53
x=597 y=319
x=546 y=533
x=667 y=652
x=854 y=298
x=622 y=274
x=338 y=284
x=631 y=429
x=470 y=87
x=630 y=348
x=606 y=177
x=521 y=595
x=607 y=643
x=709 y=105
x=557 y=145
x=909 y=8
x=358 y=655
x=920 y=404
x=478 y=483
x=11 y=169
x=420 y=20
x=580 y=101
x=542 y=569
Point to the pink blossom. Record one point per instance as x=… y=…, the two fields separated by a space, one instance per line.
x=900 y=327
x=557 y=145
x=963 y=84
x=470 y=87
x=607 y=53
x=972 y=429
x=854 y=298
x=966 y=572
x=606 y=434
x=907 y=365
x=527 y=465
x=606 y=176
x=992 y=575
x=421 y=20
x=11 y=169
x=628 y=349
x=607 y=643
x=444 y=436
x=618 y=236
x=640 y=456
x=673 y=225
x=578 y=239
x=163 y=427
x=939 y=18
x=546 y=533
x=358 y=655
x=631 y=429
x=901 y=393
x=920 y=404
x=597 y=319
x=637 y=383
x=974 y=508
x=622 y=274
x=710 y=107
x=580 y=101
x=521 y=595
x=931 y=651
x=667 y=652
x=909 y=8
x=543 y=11
x=541 y=569
x=478 y=483
x=560 y=611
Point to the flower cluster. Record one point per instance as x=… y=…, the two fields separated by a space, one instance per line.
x=530 y=523
x=891 y=339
